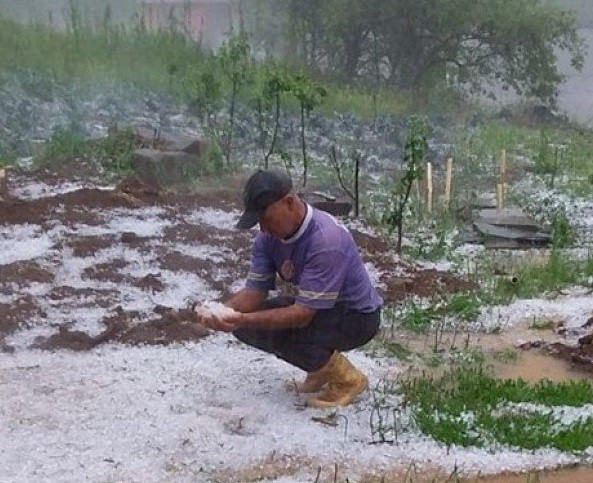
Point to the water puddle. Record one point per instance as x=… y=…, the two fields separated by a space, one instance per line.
x=534 y=366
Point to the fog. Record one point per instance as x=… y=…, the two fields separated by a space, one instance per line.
x=57 y=10
x=576 y=94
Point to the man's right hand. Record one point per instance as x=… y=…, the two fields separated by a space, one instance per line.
x=217 y=323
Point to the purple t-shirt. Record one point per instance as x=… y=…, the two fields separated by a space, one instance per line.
x=321 y=260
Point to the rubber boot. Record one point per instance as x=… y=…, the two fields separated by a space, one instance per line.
x=345 y=384
x=314 y=382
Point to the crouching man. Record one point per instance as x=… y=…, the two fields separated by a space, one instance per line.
x=336 y=309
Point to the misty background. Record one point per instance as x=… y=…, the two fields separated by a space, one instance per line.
x=575 y=94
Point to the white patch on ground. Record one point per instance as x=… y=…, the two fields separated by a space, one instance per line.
x=357 y=225
x=206 y=252
x=182 y=412
x=147 y=222
x=37 y=190
x=573 y=309
x=223 y=220
x=23 y=242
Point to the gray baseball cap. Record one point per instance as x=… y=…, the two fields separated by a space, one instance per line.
x=263 y=188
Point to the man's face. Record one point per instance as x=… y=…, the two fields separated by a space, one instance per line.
x=278 y=220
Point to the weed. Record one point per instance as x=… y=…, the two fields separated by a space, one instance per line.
x=563 y=234
x=506 y=356
x=543 y=324
x=65 y=146
x=114 y=152
x=417 y=318
x=465 y=306
x=398 y=351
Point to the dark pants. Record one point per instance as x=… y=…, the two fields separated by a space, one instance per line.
x=311 y=347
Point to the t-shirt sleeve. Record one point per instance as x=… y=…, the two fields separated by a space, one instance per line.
x=322 y=279
x=262 y=273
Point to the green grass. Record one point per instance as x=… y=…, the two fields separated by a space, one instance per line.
x=469 y=407
x=419 y=318
x=544 y=324
x=560 y=155
x=113 y=153
x=531 y=280
x=360 y=102
x=132 y=55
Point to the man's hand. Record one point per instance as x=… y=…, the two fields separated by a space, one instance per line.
x=227 y=323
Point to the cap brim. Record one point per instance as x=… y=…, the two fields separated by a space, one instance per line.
x=248 y=220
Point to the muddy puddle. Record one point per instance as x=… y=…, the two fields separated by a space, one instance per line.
x=533 y=366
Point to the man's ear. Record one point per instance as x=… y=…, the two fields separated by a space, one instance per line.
x=290 y=200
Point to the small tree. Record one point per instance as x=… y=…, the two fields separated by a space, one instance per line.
x=415 y=150
x=234 y=61
x=310 y=95
x=276 y=83
x=348 y=177
x=203 y=92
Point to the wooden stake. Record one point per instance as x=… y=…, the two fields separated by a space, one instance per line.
x=429 y=187
x=503 y=173
x=501 y=188
x=448 y=180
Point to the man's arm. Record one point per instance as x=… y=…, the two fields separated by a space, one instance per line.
x=247 y=300
x=291 y=317
x=249 y=303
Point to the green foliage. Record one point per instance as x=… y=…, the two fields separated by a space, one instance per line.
x=544 y=324
x=309 y=94
x=64 y=146
x=233 y=57
x=114 y=152
x=418 y=43
x=533 y=279
x=547 y=160
x=465 y=306
x=277 y=81
x=462 y=306
x=125 y=54
x=7 y=158
x=468 y=407
x=505 y=356
x=563 y=234
x=415 y=149
x=213 y=161
x=419 y=318
x=359 y=102
x=433 y=245
x=201 y=88
x=398 y=351
x=561 y=150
